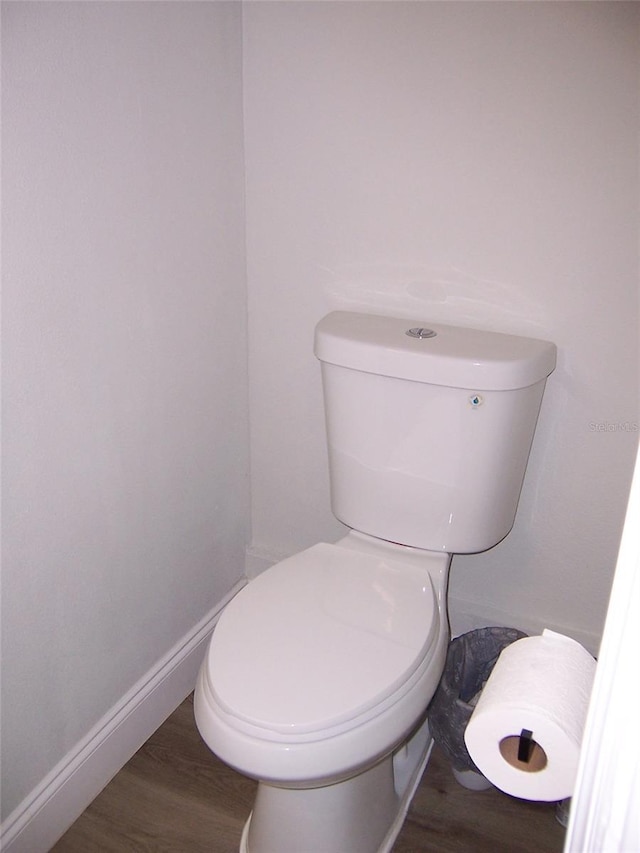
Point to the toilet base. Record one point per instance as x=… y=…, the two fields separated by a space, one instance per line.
x=363 y=814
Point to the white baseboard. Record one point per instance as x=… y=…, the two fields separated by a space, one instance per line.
x=61 y=797
x=468 y=615
x=258 y=560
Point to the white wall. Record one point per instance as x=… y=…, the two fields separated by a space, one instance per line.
x=125 y=412
x=467 y=163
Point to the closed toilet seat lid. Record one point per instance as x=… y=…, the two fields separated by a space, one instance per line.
x=319 y=640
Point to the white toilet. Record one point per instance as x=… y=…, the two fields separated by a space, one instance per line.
x=320 y=671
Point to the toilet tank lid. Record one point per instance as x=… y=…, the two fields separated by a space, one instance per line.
x=453 y=356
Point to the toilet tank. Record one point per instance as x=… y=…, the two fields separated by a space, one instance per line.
x=428 y=429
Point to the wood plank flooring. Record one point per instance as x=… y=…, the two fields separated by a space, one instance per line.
x=174 y=796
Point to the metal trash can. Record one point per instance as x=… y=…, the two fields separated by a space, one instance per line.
x=470 y=659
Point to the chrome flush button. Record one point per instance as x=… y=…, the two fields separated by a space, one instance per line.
x=421 y=333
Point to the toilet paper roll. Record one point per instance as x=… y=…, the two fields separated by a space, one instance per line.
x=526 y=730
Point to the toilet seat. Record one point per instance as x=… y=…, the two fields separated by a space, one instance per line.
x=363 y=625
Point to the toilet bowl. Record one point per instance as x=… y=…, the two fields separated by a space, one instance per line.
x=321 y=665
x=319 y=673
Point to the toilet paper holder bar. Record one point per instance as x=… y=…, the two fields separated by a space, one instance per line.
x=525 y=746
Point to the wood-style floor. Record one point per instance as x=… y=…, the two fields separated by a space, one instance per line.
x=174 y=796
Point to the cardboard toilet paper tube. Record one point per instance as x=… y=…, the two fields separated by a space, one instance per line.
x=526 y=730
